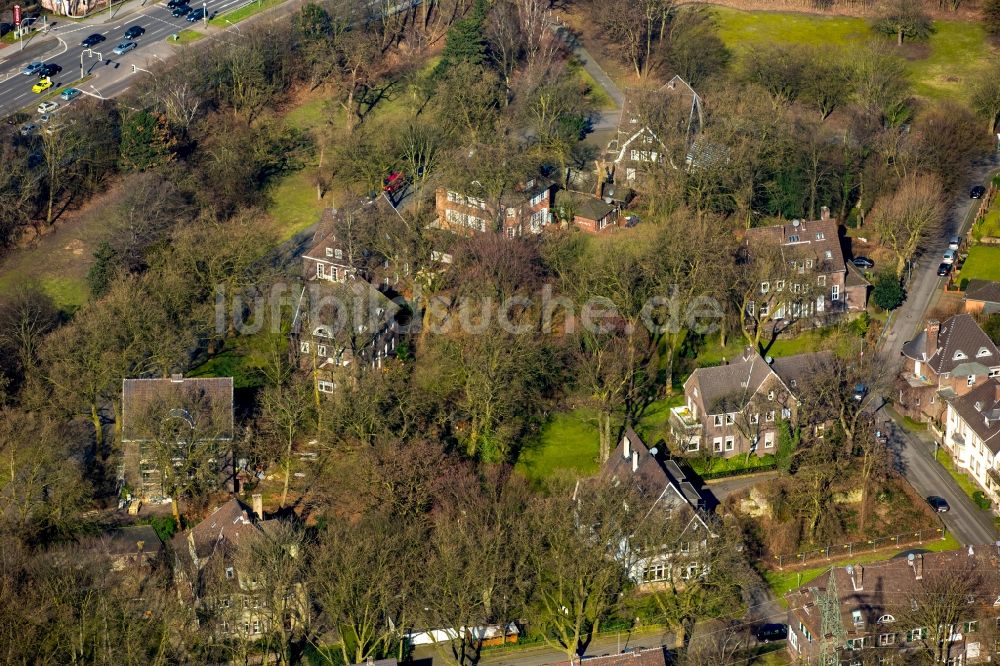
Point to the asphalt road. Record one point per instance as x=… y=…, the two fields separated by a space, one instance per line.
x=967 y=522
x=111 y=73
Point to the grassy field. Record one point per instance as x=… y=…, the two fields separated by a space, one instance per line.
x=983 y=263
x=955 y=52
x=784 y=581
x=569 y=441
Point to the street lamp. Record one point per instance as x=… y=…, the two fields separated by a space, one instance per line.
x=204 y=13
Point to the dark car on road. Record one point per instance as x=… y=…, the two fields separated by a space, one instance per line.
x=180 y=10
x=134 y=31
x=939 y=504
x=5 y=28
x=767 y=633
x=944 y=269
x=863 y=262
x=92 y=40
x=196 y=14
x=49 y=69
x=173 y=4
x=977 y=192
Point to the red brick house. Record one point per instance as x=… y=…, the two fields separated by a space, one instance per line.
x=588 y=213
x=946 y=360
x=735 y=408
x=525 y=210
x=859 y=614
x=816 y=267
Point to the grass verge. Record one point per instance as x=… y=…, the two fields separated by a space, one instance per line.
x=963 y=480
x=186 y=37
x=242 y=13
x=783 y=582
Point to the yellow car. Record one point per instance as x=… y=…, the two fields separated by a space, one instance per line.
x=42 y=85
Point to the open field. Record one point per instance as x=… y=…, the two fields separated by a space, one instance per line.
x=940 y=69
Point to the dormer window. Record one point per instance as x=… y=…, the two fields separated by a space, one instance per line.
x=820 y=235
x=959 y=355
x=339 y=254
x=329 y=251
x=229 y=573
x=828 y=254
x=971 y=380
x=979 y=406
x=765 y=287
x=793 y=238
x=856 y=618
x=779 y=285
x=983 y=351
x=886 y=619
x=770 y=395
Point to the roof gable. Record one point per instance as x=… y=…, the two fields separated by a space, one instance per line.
x=959 y=339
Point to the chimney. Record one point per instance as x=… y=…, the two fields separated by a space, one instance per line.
x=635 y=461
x=626 y=447
x=918 y=566
x=933 y=327
x=824 y=213
x=258 y=506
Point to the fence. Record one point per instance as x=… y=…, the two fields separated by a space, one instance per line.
x=853 y=548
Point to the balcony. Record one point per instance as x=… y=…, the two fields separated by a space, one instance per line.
x=684 y=421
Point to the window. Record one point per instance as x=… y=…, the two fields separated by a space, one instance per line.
x=630 y=173
x=970 y=627
x=971 y=380
x=339 y=254
x=325 y=386
x=329 y=251
x=796 y=288
x=793 y=639
x=835 y=293
x=786 y=413
x=917 y=634
x=718 y=420
x=765 y=287
x=995 y=372
x=755 y=418
x=730 y=444
x=856 y=618
x=855 y=643
x=693 y=445
x=226 y=602
x=229 y=572
x=805 y=632
x=256 y=626
x=717 y=445
x=654 y=572
x=809 y=263
x=959 y=355
x=764 y=308
x=886 y=639
x=820 y=235
x=770 y=395
x=321 y=350
x=320 y=273
x=770 y=416
x=332 y=273
x=768 y=440
x=779 y=285
x=751 y=306
x=689 y=572
x=821 y=280
x=304 y=347
x=730 y=419
x=793 y=238
x=828 y=254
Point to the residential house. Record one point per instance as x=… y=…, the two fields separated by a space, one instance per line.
x=944 y=361
x=130 y=547
x=588 y=213
x=660 y=479
x=339 y=329
x=526 y=209
x=157 y=413
x=812 y=264
x=213 y=575
x=638 y=145
x=857 y=614
x=972 y=435
x=982 y=296
x=735 y=408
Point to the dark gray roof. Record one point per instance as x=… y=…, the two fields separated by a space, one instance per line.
x=818 y=240
x=959 y=340
x=722 y=382
x=212 y=395
x=855 y=278
x=132 y=539
x=915 y=348
x=794 y=370
x=978 y=408
x=983 y=290
x=657 y=656
x=584 y=206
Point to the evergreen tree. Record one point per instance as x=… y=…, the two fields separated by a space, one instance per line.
x=466 y=40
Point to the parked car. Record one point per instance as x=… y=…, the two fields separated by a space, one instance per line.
x=134 y=31
x=767 y=633
x=5 y=28
x=28 y=129
x=196 y=14
x=69 y=94
x=881 y=436
x=939 y=504
x=977 y=192
x=954 y=243
x=124 y=48
x=863 y=262
x=92 y=40
x=42 y=86
x=48 y=107
x=181 y=10
x=31 y=68
x=860 y=391
x=950 y=256
x=49 y=69
x=944 y=269
x=173 y=4
x=394 y=182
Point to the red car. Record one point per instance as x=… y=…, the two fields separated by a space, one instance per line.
x=393 y=182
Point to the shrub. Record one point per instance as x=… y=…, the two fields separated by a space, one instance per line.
x=888 y=293
x=983 y=502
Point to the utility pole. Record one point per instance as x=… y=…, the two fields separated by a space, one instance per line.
x=204 y=12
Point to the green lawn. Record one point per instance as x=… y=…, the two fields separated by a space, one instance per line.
x=186 y=37
x=716 y=465
x=990 y=226
x=294 y=205
x=244 y=12
x=783 y=582
x=955 y=52
x=983 y=263
x=569 y=441
x=964 y=481
x=602 y=101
